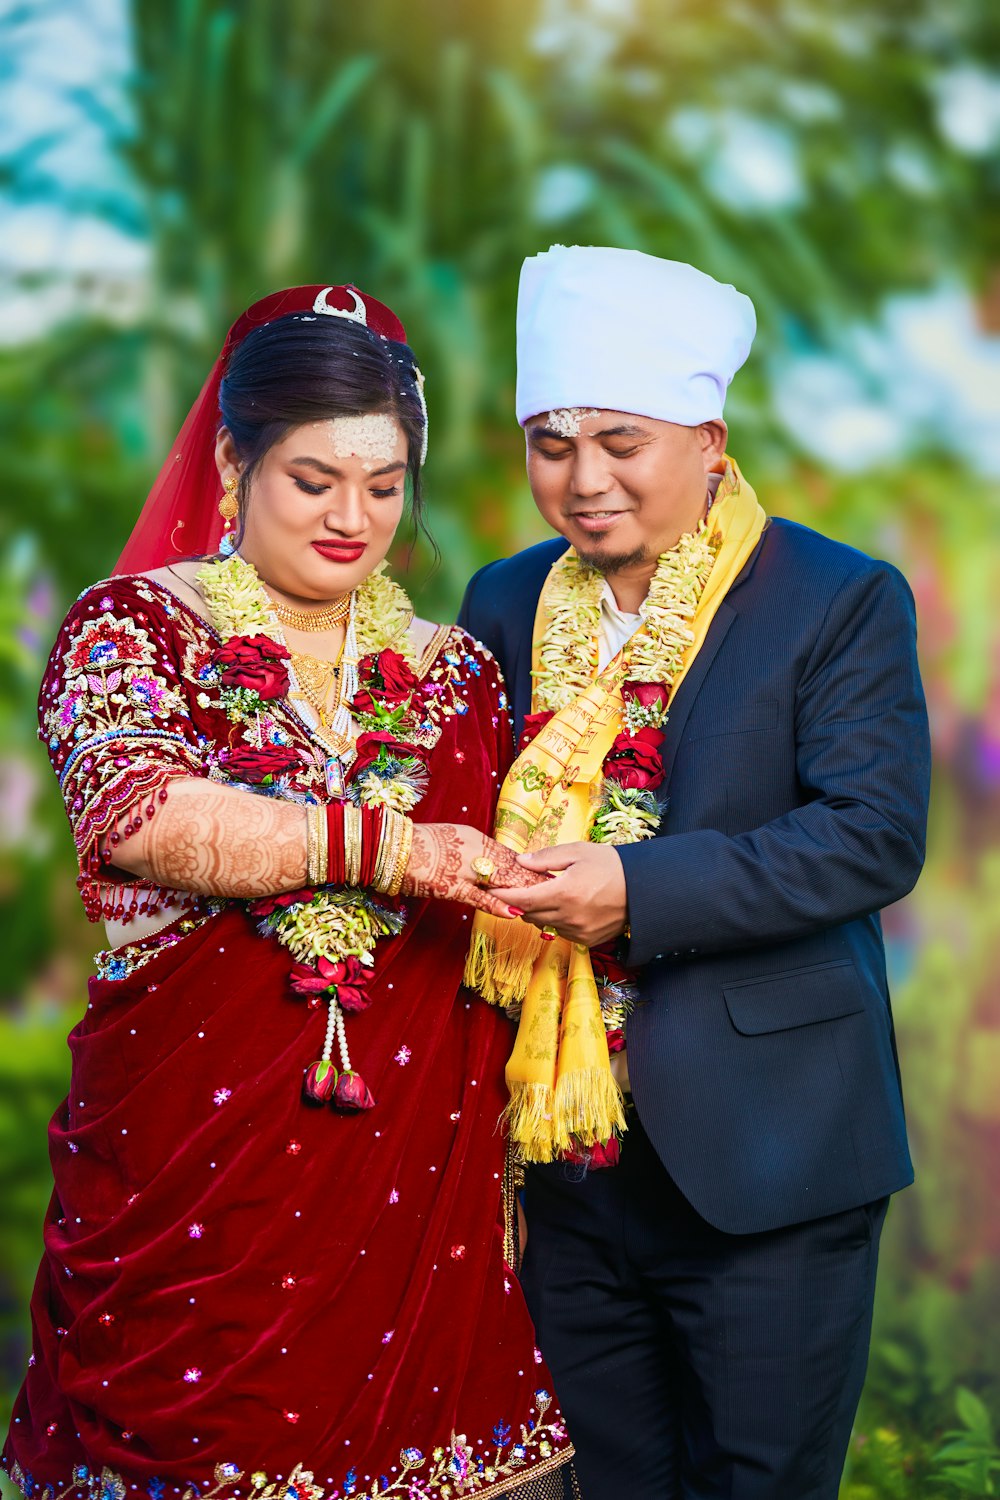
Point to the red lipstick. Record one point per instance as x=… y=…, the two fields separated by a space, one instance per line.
x=342 y=552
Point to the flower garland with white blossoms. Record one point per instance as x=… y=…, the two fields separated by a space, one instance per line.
x=627 y=808
x=330 y=932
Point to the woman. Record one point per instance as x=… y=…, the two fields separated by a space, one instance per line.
x=277 y=1259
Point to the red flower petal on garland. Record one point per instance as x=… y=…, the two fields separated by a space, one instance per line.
x=371 y=744
x=352 y=1093
x=533 y=725
x=255 y=662
x=596 y=1157
x=325 y=974
x=396 y=672
x=634 y=760
x=304 y=980
x=646 y=693
x=247 y=763
x=319 y=1082
x=351 y=998
x=388 y=677
x=268 y=904
x=605 y=964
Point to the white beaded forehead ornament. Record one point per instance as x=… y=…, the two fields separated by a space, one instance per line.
x=359 y=314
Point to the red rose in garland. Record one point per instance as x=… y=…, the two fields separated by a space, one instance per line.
x=248 y=763
x=371 y=744
x=256 y=663
x=646 y=694
x=397 y=674
x=347 y=977
x=608 y=969
x=269 y=904
x=634 y=760
x=533 y=726
x=388 y=682
x=319 y=1082
x=352 y=1093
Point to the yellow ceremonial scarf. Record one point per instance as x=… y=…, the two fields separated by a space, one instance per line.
x=562 y=1091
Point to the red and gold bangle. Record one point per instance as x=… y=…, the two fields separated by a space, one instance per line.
x=336 y=858
x=371 y=834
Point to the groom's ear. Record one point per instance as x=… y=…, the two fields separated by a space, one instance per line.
x=712 y=436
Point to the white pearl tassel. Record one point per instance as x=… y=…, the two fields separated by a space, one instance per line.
x=342 y=723
x=331 y=1029
x=345 y=1059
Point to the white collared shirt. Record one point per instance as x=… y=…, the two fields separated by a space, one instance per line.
x=615 y=629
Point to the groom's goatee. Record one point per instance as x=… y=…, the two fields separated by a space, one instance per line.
x=614 y=563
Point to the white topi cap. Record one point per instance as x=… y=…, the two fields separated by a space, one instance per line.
x=618 y=330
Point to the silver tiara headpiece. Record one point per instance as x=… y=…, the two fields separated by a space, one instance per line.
x=356 y=314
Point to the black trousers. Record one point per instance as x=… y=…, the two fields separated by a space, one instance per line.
x=690 y=1363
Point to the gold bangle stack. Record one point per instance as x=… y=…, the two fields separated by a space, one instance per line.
x=352 y=844
x=393 y=852
x=385 y=857
x=402 y=858
x=317 y=845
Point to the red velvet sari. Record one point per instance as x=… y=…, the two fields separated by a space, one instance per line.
x=238 y=1292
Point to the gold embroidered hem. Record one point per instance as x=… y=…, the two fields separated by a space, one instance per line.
x=455 y=1471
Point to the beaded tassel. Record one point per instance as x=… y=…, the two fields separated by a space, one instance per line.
x=323 y=1084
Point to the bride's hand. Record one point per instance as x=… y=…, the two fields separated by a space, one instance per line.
x=440 y=865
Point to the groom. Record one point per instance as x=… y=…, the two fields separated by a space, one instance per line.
x=705 y=1305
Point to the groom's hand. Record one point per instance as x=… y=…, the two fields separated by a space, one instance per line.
x=587 y=900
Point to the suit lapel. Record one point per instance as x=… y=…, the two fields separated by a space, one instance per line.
x=681 y=706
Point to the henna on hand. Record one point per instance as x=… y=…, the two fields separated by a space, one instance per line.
x=440 y=866
x=217 y=841
x=508 y=872
x=435 y=860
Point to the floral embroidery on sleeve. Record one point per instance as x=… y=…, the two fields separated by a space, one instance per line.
x=114 y=719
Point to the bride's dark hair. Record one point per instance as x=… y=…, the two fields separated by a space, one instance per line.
x=301 y=369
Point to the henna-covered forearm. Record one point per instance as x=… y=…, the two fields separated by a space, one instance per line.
x=435 y=863
x=218 y=841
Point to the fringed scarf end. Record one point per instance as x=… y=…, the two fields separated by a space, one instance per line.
x=589 y=1108
x=501 y=975
x=529 y=1120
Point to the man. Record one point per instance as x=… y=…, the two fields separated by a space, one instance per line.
x=705 y=1304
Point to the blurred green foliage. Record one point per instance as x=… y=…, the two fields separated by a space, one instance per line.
x=422 y=152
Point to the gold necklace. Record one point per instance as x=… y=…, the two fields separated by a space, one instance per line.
x=315 y=679
x=310 y=621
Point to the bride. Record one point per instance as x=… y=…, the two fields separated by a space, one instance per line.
x=279 y=1254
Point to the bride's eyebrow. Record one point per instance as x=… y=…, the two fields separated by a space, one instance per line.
x=317 y=463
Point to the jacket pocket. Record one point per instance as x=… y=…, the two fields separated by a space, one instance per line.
x=759 y=713
x=795 y=997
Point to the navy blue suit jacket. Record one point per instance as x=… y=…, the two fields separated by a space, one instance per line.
x=762 y=1057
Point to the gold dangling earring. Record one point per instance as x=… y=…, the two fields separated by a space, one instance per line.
x=229 y=506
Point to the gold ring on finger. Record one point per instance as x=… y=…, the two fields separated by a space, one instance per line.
x=484 y=870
